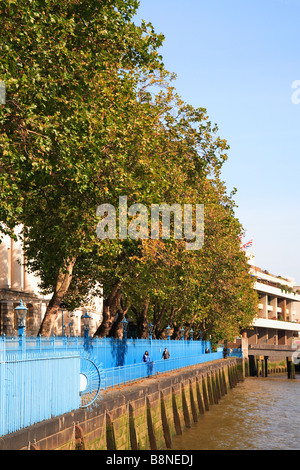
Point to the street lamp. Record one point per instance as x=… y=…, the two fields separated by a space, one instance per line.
x=21 y=311
x=62 y=322
x=86 y=328
x=168 y=331
x=182 y=333
x=86 y=324
x=71 y=328
x=191 y=334
x=124 y=324
x=150 y=330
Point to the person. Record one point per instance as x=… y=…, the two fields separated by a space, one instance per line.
x=165 y=354
x=146 y=357
x=225 y=352
x=206 y=350
x=149 y=363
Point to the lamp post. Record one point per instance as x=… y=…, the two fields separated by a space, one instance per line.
x=21 y=311
x=71 y=325
x=62 y=322
x=168 y=331
x=86 y=329
x=124 y=324
x=71 y=328
x=150 y=330
x=191 y=334
x=182 y=334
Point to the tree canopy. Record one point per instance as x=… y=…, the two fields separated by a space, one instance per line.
x=91 y=115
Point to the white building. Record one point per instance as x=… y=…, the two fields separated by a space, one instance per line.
x=16 y=284
x=278 y=316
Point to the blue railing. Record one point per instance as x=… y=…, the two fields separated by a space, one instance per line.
x=236 y=352
x=115 y=353
x=40 y=377
x=36 y=385
x=112 y=352
x=129 y=373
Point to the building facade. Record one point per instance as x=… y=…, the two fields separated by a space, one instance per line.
x=278 y=313
x=16 y=284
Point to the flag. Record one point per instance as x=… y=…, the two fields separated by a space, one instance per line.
x=248 y=244
x=240 y=237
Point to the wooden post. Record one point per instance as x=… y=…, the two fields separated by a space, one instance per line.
x=290 y=367
x=79 y=438
x=266 y=365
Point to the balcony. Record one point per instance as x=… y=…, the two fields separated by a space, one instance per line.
x=275 y=291
x=276 y=324
x=271 y=347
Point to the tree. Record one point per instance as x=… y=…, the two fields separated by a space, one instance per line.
x=164 y=283
x=159 y=280
x=209 y=290
x=69 y=89
x=91 y=115
x=171 y=149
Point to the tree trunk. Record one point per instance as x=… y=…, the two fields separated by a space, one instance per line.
x=110 y=309
x=158 y=331
x=142 y=320
x=176 y=332
x=189 y=328
x=61 y=288
x=117 y=328
x=173 y=313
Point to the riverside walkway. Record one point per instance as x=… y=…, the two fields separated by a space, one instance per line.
x=142 y=415
x=41 y=378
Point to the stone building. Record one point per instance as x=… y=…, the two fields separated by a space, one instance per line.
x=17 y=284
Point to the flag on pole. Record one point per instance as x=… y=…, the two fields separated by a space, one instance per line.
x=240 y=237
x=248 y=244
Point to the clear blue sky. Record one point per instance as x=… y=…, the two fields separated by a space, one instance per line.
x=238 y=59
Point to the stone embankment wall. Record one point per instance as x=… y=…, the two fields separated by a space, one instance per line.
x=140 y=416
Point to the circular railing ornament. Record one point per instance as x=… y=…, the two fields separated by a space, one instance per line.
x=90 y=381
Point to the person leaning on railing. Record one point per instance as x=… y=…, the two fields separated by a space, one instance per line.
x=146 y=357
x=165 y=354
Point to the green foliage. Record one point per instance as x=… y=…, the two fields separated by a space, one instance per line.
x=92 y=115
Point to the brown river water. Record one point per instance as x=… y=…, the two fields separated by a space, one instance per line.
x=258 y=414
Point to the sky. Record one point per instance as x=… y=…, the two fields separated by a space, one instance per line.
x=241 y=61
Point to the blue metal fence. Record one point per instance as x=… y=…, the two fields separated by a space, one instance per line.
x=236 y=352
x=2 y=388
x=40 y=377
x=112 y=352
x=117 y=375
x=115 y=353
x=36 y=385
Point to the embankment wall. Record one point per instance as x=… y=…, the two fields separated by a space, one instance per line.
x=145 y=415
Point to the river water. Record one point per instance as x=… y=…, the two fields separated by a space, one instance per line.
x=258 y=414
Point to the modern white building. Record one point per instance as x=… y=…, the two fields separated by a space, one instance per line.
x=17 y=283
x=278 y=315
